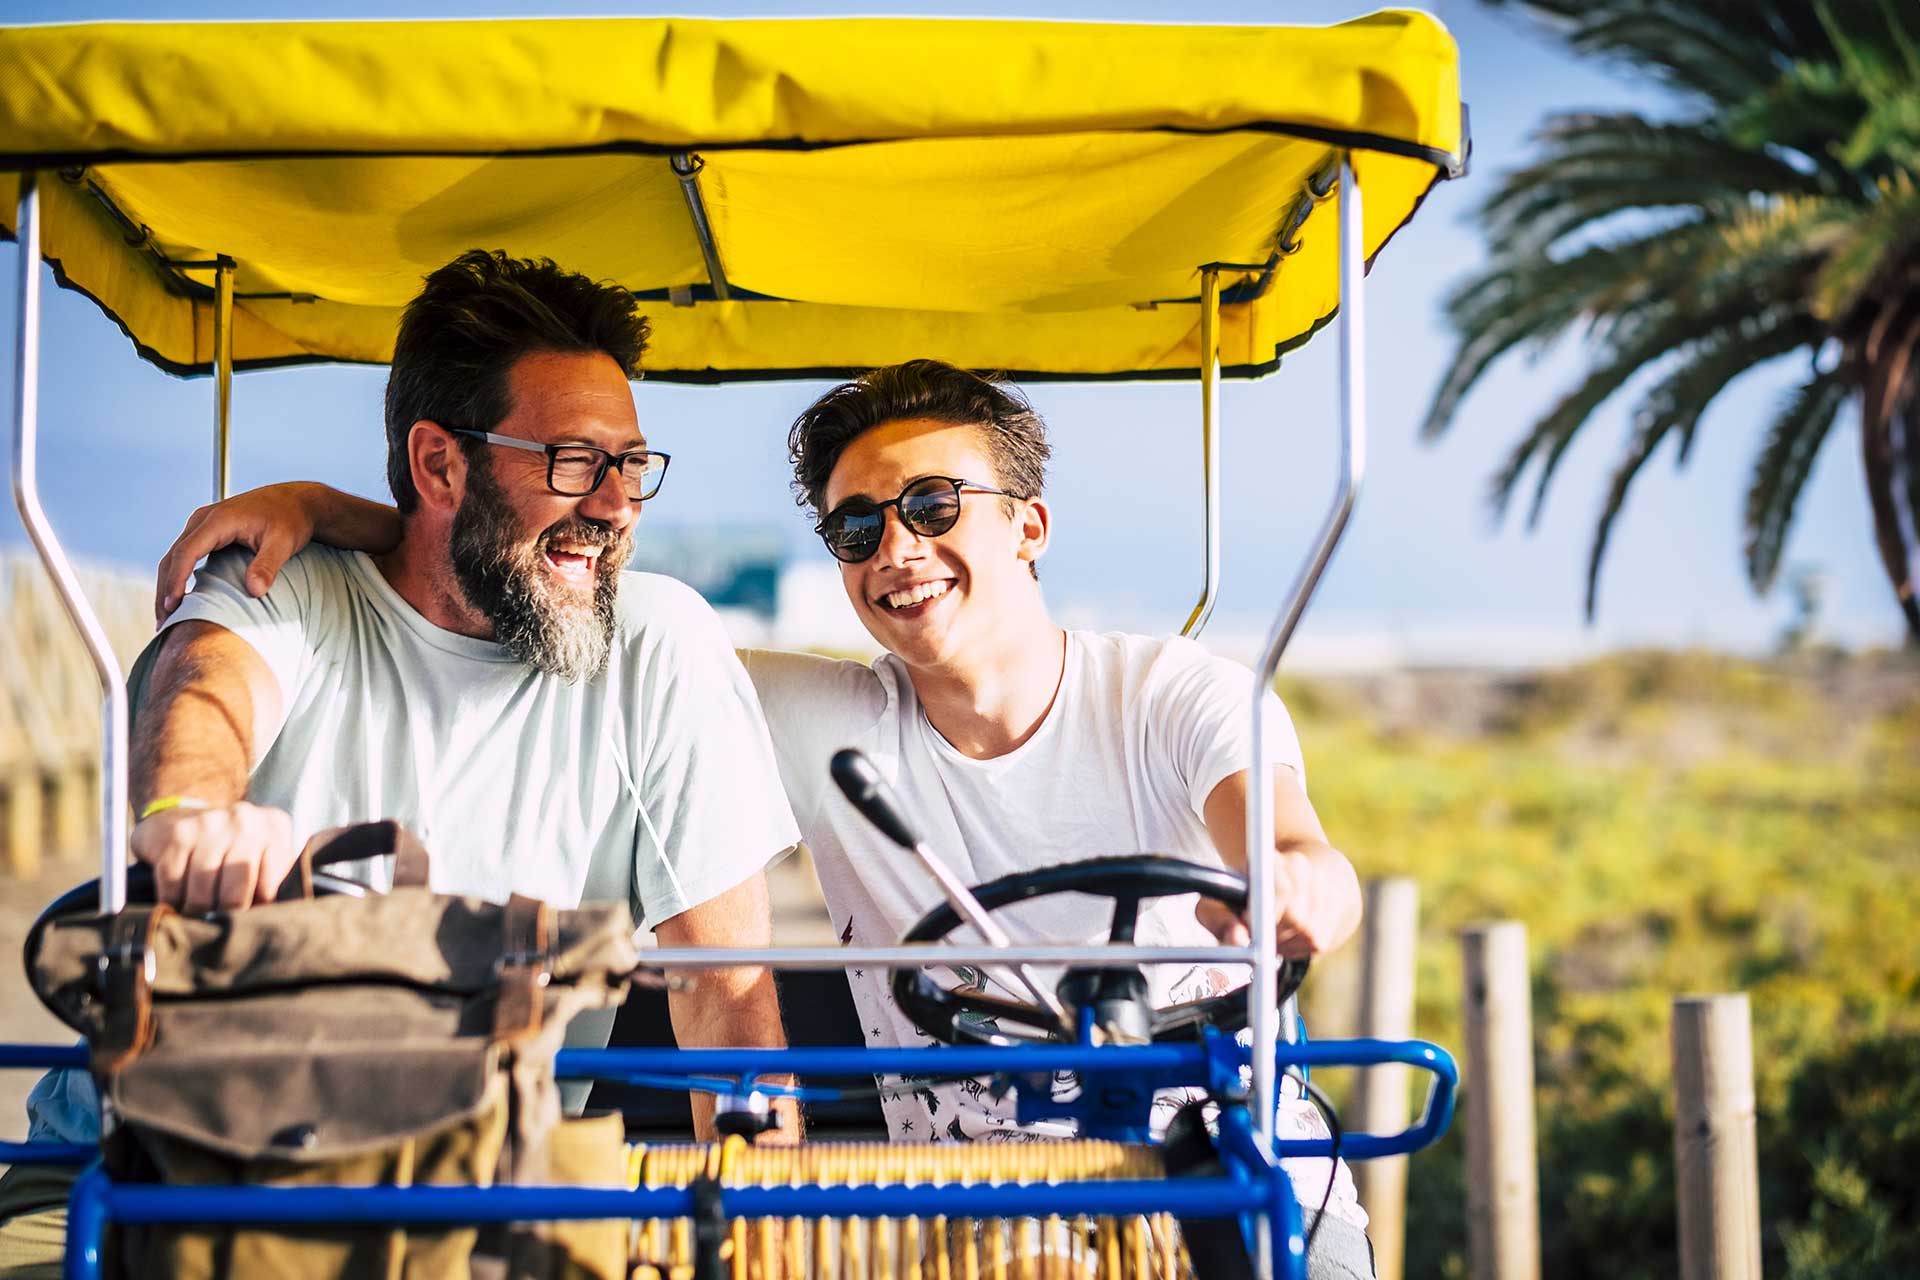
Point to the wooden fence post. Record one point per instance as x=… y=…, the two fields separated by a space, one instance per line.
x=1715 y=1158
x=1503 y=1178
x=1389 y=945
x=25 y=821
x=73 y=818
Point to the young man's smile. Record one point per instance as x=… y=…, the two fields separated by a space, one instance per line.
x=916 y=599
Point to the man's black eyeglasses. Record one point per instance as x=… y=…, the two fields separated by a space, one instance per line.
x=576 y=470
x=929 y=506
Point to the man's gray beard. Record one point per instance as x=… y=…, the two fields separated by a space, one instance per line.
x=504 y=579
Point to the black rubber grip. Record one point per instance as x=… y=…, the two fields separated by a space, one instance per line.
x=868 y=792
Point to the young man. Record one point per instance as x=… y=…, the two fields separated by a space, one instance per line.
x=1014 y=743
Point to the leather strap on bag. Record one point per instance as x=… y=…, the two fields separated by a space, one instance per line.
x=525 y=967
x=127 y=968
x=355 y=844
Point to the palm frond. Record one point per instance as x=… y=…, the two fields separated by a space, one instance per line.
x=1531 y=300
x=1872 y=250
x=1693 y=48
x=1643 y=338
x=1705 y=46
x=1676 y=404
x=1781 y=470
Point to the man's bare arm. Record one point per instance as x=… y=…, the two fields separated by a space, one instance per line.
x=210 y=702
x=275 y=522
x=729 y=1008
x=1315 y=885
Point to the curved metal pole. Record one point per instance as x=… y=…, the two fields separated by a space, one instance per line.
x=686 y=167
x=1209 y=446
x=222 y=376
x=26 y=495
x=1270 y=1023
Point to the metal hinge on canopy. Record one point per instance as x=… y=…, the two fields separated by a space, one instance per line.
x=686 y=167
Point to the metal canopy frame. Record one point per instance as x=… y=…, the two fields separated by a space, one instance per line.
x=26 y=496
x=1270 y=1024
x=686 y=167
x=222 y=377
x=1209 y=451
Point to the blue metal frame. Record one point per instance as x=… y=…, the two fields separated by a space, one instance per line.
x=1254 y=1186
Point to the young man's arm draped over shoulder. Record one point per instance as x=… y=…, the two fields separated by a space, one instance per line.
x=274 y=522
x=212 y=703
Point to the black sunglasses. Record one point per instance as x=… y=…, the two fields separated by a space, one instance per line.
x=929 y=507
x=576 y=470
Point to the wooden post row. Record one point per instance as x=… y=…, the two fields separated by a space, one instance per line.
x=1503 y=1180
x=1389 y=946
x=1716 y=1161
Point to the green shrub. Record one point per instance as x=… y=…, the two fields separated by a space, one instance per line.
x=1666 y=824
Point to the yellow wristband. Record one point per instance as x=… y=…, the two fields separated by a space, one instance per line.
x=165 y=803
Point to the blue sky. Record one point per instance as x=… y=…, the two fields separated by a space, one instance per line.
x=1424 y=568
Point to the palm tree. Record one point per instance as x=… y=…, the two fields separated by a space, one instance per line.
x=1778 y=216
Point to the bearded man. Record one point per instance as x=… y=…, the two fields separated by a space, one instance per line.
x=548 y=725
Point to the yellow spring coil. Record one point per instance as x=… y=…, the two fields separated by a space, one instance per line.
x=910 y=1248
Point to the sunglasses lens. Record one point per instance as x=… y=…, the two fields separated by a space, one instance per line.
x=853 y=535
x=930 y=507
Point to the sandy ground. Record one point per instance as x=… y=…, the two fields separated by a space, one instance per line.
x=22 y=1017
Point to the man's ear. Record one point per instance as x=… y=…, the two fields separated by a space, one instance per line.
x=1033 y=522
x=439 y=467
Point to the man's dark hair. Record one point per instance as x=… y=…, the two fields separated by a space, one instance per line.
x=471 y=322
x=1016 y=437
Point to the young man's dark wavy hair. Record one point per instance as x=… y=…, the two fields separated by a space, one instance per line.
x=473 y=319
x=932 y=389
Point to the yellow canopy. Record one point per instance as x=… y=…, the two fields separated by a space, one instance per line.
x=1038 y=197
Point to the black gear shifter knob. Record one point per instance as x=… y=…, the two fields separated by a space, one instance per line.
x=860 y=781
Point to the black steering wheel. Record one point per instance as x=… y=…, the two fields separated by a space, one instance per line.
x=1127 y=880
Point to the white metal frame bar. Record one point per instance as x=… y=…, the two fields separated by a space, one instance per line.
x=26 y=495
x=1271 y=1024
x=914 y=955
x=222 y=377
x=1209 y=449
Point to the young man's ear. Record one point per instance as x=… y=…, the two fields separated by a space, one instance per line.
x=438 y=465
x=1032 y=522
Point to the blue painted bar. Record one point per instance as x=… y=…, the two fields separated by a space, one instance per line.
x=576 y=1064
x=668 y=1065
x=96 y=1201
x=982 y=1060
x=86 y=1225
x=1188 y=1197
x=573 y=1064
x=1281 y=1212
x=47 y=1153
x=43 y=1055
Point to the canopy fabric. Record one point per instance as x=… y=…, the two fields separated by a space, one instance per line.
x=1039 y=197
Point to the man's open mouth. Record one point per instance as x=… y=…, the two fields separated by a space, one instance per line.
x=912 y=597
x=573 y=563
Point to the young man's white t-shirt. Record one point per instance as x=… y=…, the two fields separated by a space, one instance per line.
x=1140 y=733
x=653 y=784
